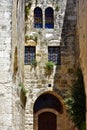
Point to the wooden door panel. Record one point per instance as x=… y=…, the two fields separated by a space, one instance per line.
x=47 y=121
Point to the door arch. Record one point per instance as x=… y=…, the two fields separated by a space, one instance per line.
x=48 y=112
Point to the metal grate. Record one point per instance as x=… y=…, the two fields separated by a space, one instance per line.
x=29 y=54
x=54 y=55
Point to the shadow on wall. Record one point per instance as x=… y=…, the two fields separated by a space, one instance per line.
x=64 y=72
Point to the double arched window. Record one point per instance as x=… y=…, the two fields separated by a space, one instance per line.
x=38 y=18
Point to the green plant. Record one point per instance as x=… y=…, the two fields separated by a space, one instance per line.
x=57 y=8
x=27 y=10
x=34 y=63
x=76 y=103
x=21 y=85
x=49 y=68
x=35 y=39
x=31 y=37
x=49 y=65
x=26 y=38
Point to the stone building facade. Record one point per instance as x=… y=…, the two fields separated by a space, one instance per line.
x=42 y=36
x=82 y=39
x=11 y=64
x=50 y=34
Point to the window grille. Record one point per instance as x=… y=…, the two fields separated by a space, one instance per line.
x=29 y=54
x=54 y=55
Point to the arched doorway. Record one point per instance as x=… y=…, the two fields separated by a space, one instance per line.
x=48 y=112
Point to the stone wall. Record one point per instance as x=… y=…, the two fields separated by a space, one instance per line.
x=36 y=80
x=63 y=35
x=5 y=58
x=17 y=61
x=11 y=73
x=82 y=39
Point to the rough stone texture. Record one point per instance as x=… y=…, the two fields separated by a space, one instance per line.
x=62 y=35
x=82 y=40
x=35 y=80
x=11 y=108
x=17 y=63
x=5 y=77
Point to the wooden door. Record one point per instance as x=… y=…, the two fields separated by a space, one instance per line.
x=47 y=121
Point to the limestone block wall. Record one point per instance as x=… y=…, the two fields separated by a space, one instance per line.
x=82 y=39
x=11 y=72
x=63 y=35
x=5 y=55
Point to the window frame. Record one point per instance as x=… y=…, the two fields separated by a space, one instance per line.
x=49 y=18
x=54 y=50
x=38 y=18
x=29 y=55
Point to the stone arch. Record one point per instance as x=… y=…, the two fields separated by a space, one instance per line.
x=49 y=97
x=48 y=105
x=38 y=17
x=49 y=17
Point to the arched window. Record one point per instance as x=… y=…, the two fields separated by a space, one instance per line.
x=38 y=20
x=49 y=18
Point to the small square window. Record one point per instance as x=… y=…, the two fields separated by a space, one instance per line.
x=54 y=55
x=29 y=54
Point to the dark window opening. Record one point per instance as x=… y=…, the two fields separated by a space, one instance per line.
x=29 y=54
x=49 y=18
x=54 y=55
x=48 y=101
x=38 y=20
